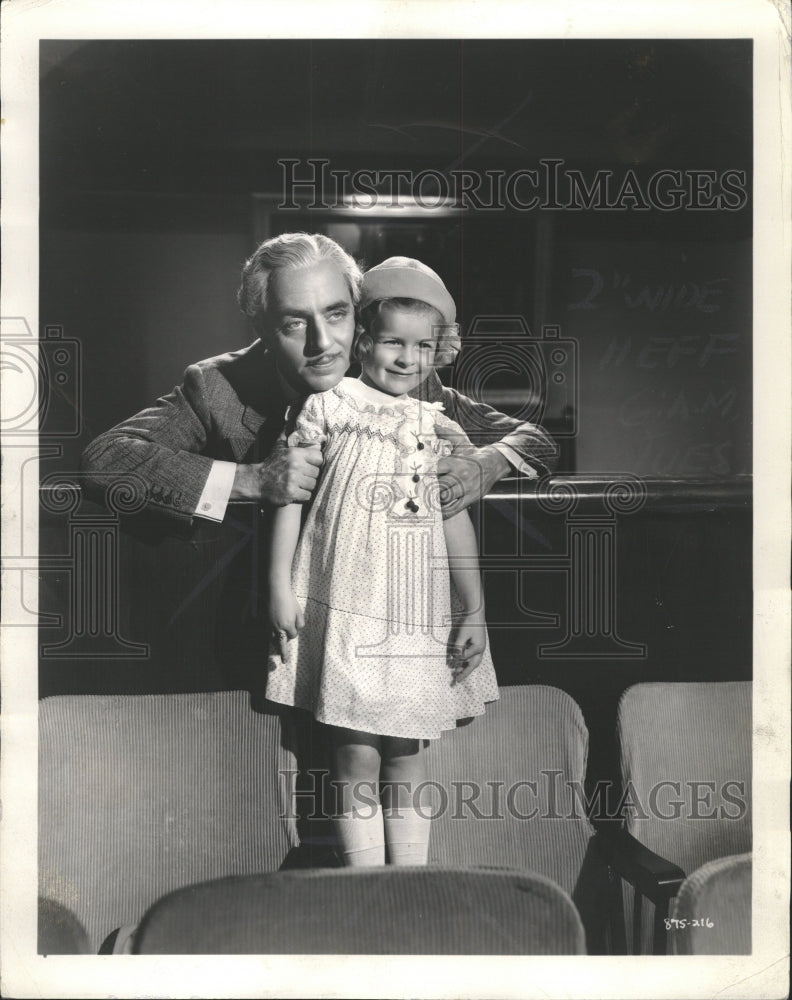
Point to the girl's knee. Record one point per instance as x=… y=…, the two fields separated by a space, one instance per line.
x=357 y=753
x=360 y=759
x=394 y=747
x=356 y=774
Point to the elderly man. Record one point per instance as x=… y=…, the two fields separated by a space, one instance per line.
x=215 y=438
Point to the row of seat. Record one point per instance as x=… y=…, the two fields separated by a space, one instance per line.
x=190 y=818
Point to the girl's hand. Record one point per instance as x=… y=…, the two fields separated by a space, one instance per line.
x=466 y=645
x=286 y=618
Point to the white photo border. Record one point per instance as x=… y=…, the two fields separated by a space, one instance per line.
x=762 y=974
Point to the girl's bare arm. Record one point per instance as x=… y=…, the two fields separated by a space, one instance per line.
x=284 y=610
x=468 y=634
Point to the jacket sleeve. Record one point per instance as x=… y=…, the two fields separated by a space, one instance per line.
x=485 y=426
x=163 y=446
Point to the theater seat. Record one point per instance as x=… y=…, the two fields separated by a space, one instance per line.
x=59 y=931
x=509 y=791
x=686 y=764
x=139 y=795
x=388 y=910
x=711 y=915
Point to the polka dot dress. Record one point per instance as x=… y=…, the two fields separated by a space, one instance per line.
x=371 y=573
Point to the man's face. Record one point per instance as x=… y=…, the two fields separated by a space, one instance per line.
x=309 y=324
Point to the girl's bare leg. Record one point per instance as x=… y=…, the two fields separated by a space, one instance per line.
x=358 y=820
x=403 y=771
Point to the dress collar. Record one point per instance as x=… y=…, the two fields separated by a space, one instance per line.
x=368 y=394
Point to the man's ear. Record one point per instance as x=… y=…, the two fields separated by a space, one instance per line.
x=263 y=331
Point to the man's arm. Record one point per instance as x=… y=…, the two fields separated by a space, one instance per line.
x=166 y=446
x=529 y=448
x=501 y=446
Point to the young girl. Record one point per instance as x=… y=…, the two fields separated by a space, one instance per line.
x=362 y=593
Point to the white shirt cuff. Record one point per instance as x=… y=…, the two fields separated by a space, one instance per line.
x=213 y=501
x=515 y=460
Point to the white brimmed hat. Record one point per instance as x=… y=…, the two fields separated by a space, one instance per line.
x=407 y=278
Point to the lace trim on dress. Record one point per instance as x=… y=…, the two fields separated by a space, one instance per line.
x=407 y=406
x=341 y=426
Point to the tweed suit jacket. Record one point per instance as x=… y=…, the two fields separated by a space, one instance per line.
x=232 y=407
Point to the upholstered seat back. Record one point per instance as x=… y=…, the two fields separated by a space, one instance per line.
x=711 y=914
x=388 y=910
x=510 y=788
x=139 y=795
x=59 y=931
x=686 y=766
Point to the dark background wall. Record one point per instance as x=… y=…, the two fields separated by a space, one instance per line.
x=151 y=152
x=151 y=155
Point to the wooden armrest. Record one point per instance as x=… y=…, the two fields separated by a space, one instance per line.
x=655 y=877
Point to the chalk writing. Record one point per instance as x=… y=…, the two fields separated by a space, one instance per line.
x=661 y=456
x=659 y=351
x=649 y=406
x=623 y=289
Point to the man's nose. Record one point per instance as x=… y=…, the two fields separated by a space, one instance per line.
x=318 y=339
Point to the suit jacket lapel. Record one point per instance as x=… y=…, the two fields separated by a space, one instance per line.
x=243 y=445
x=258 y=404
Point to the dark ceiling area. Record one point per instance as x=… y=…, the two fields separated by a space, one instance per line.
x=213 y=117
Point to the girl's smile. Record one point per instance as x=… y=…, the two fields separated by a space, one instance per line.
x=402 y=353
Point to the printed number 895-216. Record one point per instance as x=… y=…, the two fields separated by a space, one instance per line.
x=683 y=924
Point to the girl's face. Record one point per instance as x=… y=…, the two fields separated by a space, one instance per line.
x=402 y=352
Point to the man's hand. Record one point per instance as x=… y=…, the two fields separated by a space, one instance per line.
x=286 y=619
x=287 y=475
x=468 y=474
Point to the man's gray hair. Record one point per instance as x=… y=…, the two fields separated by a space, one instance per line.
x=291 y=250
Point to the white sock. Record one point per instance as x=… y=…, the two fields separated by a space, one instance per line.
x=361 y=837
x=407 y=836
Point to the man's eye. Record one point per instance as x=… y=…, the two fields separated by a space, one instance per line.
x=292 y=325
x=337 y=316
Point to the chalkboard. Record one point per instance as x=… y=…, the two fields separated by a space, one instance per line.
x=664 y=338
